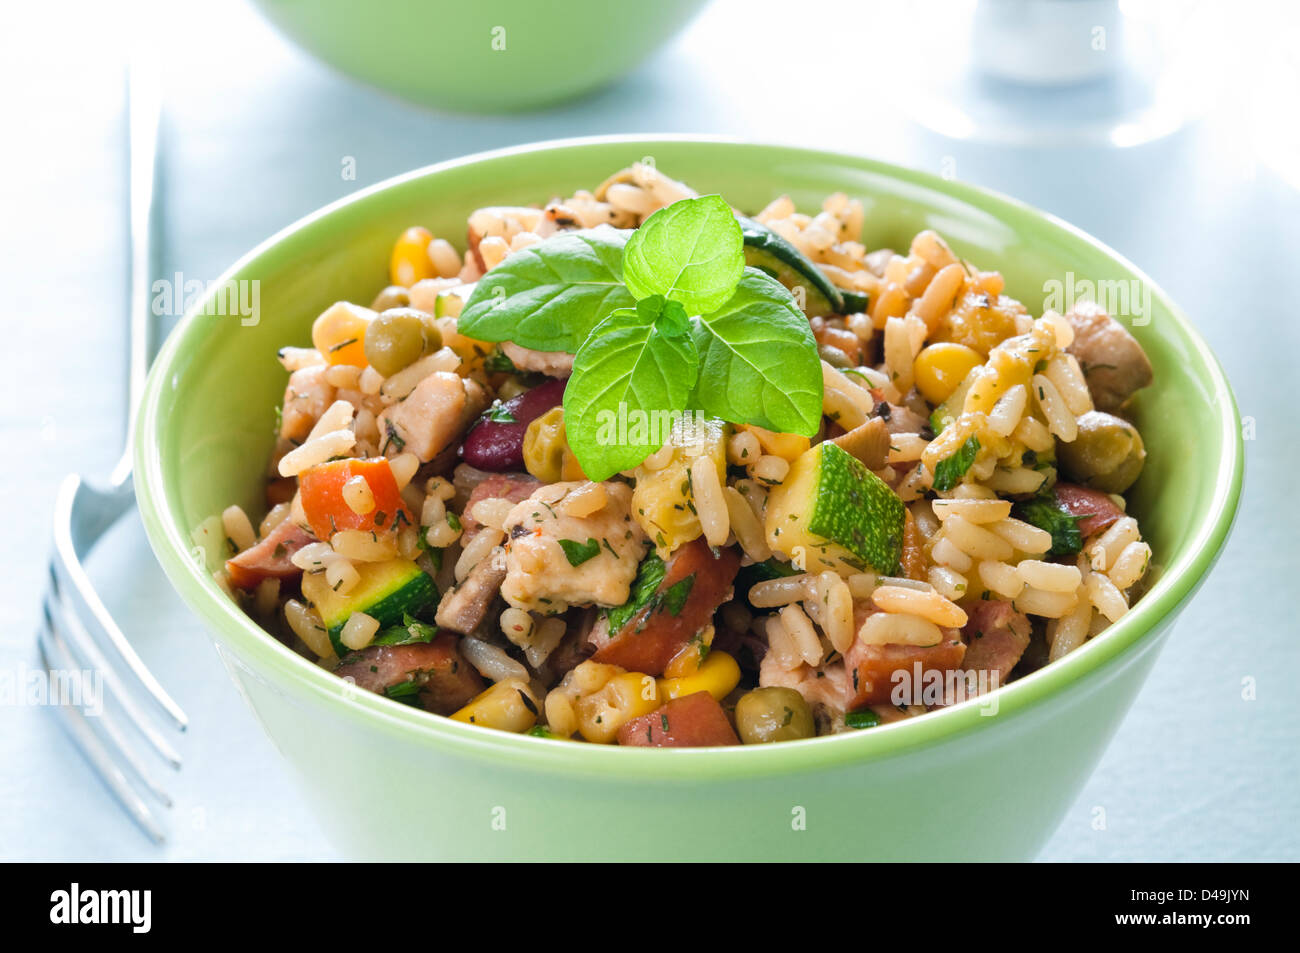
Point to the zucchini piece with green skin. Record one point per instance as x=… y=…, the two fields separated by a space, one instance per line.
x=449 y=303
x=855 y=302
x=769 y=252
x=842 y=515
x=387 y=591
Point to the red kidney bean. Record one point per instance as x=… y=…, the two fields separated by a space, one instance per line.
x=499 y=446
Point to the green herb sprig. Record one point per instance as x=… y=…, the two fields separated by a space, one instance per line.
x=667 y=318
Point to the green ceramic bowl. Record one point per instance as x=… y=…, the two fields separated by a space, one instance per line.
x=481 y=57
x=388 y=781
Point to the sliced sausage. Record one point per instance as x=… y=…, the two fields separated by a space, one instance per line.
x=996 y=636
x=514 y=487
x=446 y=681
x=270 y=558
x=692 y=721
x=650 y=639
x=871 y=668
x=1095 y=509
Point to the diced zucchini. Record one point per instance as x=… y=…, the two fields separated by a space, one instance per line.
x=841 y=514
x=855 y=302
x=769 y=252
x=450 y=302
x=663 y=503
x=387 y=591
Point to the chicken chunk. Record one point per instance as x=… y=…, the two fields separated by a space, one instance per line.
x=307 y=396
x=463 y=606
x=827 y=688
x=1113 y=362
x=550 y=363
x=556 y=559
x=432 y=416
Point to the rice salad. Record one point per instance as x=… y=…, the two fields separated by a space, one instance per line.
x=636 y=468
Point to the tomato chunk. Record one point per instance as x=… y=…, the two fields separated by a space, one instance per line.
x=693 y=721
x=327 y=509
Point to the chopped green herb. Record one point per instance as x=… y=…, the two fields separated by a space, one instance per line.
x=1043 y=512
x=648 y=577
x=866 y=718
x=948 y=472
x=578 y=553
x=675 y=596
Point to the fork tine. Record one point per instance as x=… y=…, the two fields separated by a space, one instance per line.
x=78 y=643
x=67 y=564
x=96 y=752
x=105 y=722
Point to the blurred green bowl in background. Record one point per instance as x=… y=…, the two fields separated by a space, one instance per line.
x=389 y=781
x=470 y=56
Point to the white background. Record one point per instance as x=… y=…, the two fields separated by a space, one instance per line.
x=254 y=137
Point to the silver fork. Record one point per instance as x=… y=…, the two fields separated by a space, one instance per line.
x=77 y=633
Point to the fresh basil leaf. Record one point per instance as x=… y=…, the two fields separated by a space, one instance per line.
x=1043 y=512
x=691 y=252
x=758 y=360
x=627 y=381
x=550 y=295
x=578 y=553
x=648 y=577
x=949 y=471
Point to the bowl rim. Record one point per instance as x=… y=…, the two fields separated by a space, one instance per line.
x=278 y=666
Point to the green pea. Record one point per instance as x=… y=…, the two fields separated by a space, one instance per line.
x=1107 y=455
x=398 y=338
x=834 y=356
x=394 y=296
x=773 y=714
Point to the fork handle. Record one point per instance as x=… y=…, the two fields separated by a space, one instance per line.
x=144 y=108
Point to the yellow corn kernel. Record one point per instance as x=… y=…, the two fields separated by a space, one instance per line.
x=940 y=368
x=691 y=656
x=340 y=333
x=718 y=674
x=787 y=446
x=410 y=260
x=625 y=696
x=509 y=705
